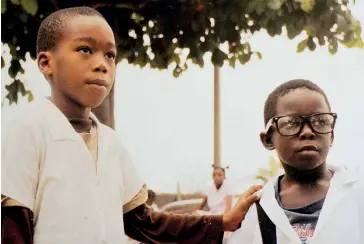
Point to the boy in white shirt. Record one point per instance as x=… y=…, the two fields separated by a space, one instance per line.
x=65 y=176
x=217 y=196
x=312 y=203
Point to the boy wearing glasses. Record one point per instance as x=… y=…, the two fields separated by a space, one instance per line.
x=312 y=202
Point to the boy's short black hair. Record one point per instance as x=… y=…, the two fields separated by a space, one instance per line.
x=219 y=167
x=271 y=102
x=51 y=27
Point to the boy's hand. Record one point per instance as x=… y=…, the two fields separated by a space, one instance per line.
x=232 y=219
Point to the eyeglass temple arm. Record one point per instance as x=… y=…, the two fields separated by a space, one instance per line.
x=269 y=124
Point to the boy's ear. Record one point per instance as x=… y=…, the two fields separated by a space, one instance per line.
x=44 y=60
x=267 y=141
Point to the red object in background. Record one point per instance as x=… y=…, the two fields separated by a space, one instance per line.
x=200 y=6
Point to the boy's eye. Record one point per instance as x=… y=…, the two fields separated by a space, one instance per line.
x=111 y=55
x=289 y=122
x=84 y=50
x=293 y=122
x=321 y=122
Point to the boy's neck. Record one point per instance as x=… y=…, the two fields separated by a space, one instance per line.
x=306 y=177
x=70 y=108
x=218 y=186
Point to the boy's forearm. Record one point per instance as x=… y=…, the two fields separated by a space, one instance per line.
x=149 y=226
x=203 y=203
x=16 y=225
x=228 y=203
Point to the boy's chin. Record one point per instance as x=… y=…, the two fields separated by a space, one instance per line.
x=306 y=165
x=93 y=103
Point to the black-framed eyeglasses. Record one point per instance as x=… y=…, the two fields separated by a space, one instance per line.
x=290 y=125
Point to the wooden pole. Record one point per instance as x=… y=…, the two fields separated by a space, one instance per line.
x=105 y=112
x=217 y=155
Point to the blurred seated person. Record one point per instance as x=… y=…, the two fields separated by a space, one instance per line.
x=217 y=196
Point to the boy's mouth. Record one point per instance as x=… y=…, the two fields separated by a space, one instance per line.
x=308 y=148
x=97 y=82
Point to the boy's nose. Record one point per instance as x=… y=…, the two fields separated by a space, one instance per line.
x=100 y=66
x=307 y=133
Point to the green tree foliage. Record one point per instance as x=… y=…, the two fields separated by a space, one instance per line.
x=153 y=32
x=274 y=169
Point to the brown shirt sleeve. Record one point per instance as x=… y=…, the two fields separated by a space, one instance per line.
x=16 y=225
x=149 y=226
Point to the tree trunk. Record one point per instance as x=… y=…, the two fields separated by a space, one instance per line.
x=105 y=112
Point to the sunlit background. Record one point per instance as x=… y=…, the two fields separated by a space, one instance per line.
x=167 y=123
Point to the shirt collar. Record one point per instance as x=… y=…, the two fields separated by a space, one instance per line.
x=60 y=126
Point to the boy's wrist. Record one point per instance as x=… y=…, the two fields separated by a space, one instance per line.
x=226 y=219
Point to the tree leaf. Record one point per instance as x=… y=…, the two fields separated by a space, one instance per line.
x=14 y=55
x=3 y=6
x=15 y=2
x=360 y=43
x=232 y=61
x=301 y=46
x=321 y=40
x=275 y=4
x=260 y=7
x=259 y=55
x=185 y=66
x=199 y=60
x=244 y=58
x=333 y=47
x=177 y=71
x=350 y=44
x=30 y=96
x=13 y=90
x=246 y=47
x=218 y=57
x=272 y=28
x=14 y=68
x=30 y=6
x=291 y=31
x=307 y=5
x=311 y=44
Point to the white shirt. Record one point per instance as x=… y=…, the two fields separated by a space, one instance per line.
x=341 y=219
x=216 y=198
x=47 y=167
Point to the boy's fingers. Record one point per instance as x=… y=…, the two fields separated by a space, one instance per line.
x=251 y=196
x=252 y=199
x=252 y=190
